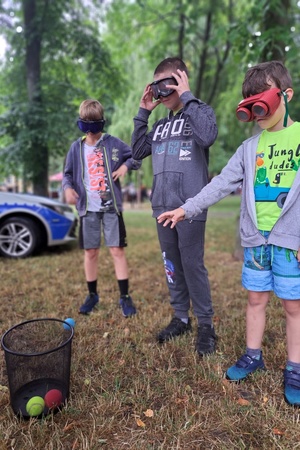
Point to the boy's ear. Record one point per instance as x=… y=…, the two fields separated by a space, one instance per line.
x=289 y=92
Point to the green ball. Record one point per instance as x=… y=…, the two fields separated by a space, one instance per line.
x=35 y=406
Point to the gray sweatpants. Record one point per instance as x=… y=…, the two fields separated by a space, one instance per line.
x=187 y=278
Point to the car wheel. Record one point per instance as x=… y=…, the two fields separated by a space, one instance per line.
x=19 y=237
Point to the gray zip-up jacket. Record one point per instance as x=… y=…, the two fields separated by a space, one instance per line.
x=116 y=153
x=179 y=147
x=240 y=169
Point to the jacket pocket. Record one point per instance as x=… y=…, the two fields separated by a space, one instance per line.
x=167 y=190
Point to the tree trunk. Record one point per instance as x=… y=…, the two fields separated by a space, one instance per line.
x=36 y=162
x=276 y=18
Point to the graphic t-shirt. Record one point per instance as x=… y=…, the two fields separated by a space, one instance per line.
x=95 y=179
x=277 y=162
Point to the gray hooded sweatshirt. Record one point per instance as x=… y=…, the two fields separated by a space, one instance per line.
x=240 y=170
x=179 y=146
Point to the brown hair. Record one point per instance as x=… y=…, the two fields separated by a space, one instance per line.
x=91 y=110
x=171 y=64
x=259 y=78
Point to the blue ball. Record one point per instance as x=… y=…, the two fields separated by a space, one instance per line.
x=70 y=321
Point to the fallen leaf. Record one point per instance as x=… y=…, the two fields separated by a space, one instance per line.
x=278 y=432
x=149 y=413
x=140 y=423
x=181 y=400
x=71 y=425
x=3 y=388
x=243 y=402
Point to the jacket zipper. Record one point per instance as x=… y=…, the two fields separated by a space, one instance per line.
x=108 y=171
x=82 y=176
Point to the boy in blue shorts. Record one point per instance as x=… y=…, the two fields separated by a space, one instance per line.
x=93 y=168
x=267 y=165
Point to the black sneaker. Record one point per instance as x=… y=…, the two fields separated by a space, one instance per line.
x=175 y=328
x=90 y=302
x=206 y=340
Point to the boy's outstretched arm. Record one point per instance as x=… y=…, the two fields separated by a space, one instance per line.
x=171 y=217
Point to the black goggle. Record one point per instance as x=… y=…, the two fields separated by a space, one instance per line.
x=159 y=87
x=90 y=126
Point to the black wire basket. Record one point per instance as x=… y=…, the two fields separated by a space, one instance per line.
x=38 y=360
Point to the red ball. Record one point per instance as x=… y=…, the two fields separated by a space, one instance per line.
x=53 y=399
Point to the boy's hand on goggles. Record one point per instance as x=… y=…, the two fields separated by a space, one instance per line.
x=147 y=99
x=183 y=82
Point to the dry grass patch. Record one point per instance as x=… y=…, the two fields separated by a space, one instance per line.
x=127 y=391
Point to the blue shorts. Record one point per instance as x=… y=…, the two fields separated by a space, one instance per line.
x=272 y=268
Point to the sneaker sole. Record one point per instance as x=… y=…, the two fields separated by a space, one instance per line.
x=163 y=340
x=89 y=312
x=261 y=369
x=202 y=354
x=295 y=405
x=129 y=315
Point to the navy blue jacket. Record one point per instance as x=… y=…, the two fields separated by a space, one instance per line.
x=116 y=153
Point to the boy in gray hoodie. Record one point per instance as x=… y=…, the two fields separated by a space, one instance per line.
x=179 y=145
x=267 y=165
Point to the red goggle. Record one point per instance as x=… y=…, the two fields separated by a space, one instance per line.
x=261 y=105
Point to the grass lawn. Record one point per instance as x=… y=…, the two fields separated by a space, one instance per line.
x=127 y=391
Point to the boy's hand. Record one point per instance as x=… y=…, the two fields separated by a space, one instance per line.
x=183 y=82
x=120 y=172
x=171 y=217
x=147 y=99
x=71 y=196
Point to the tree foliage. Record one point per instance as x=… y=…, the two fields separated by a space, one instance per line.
x=71 y=50
x=54 y=62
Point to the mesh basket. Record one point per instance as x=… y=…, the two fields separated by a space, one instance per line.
x=38 y=359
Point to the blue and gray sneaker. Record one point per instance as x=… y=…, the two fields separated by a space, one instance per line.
x=244 y=367
x=127 y=305
x=292 y=386
x=89 y=303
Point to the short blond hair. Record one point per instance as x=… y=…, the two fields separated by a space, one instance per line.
x=91 y=110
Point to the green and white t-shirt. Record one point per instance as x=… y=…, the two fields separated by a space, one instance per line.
x=277 y=162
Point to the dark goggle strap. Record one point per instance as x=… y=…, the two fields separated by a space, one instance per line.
x=154 y=83
x=286 y=109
